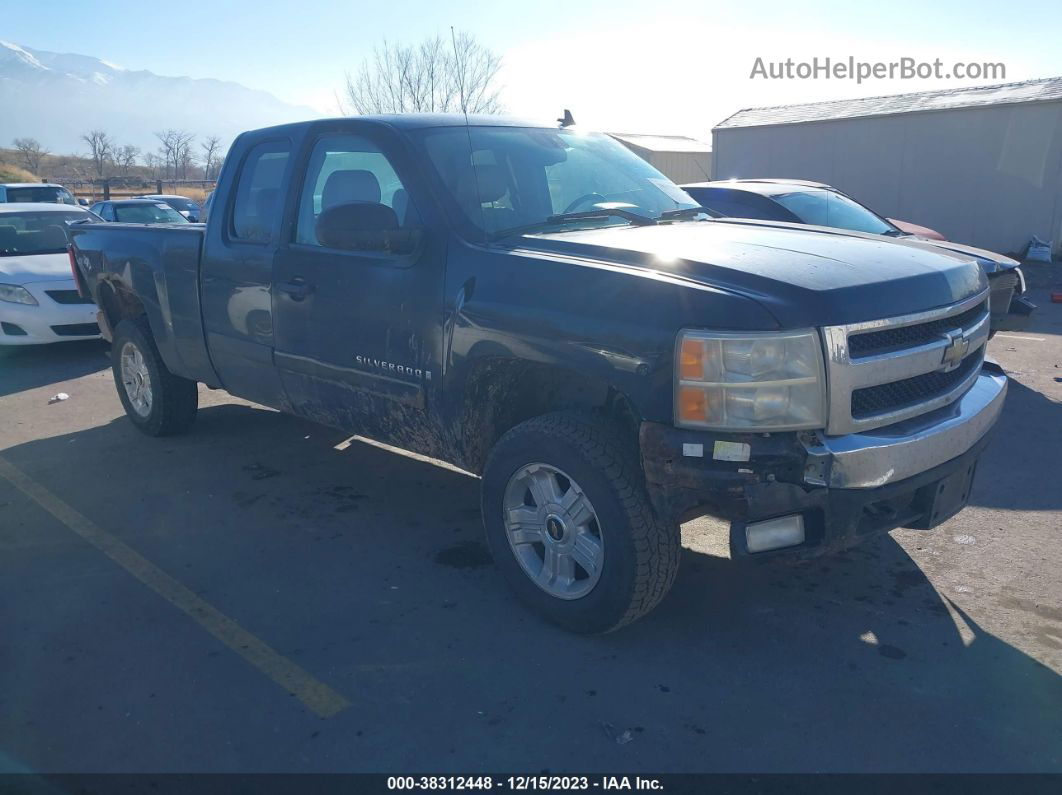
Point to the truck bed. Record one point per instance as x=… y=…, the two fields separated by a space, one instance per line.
x=156 y=265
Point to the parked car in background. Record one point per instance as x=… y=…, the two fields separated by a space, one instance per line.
x=801 y=202
x=916 y=229
x=544 y=308
x=182 y=204
x=138 y=211
x=35 y=192
x=39 y=299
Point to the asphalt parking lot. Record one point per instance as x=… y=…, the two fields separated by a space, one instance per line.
x=264 y=594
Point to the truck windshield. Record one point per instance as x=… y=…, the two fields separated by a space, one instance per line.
x=826 y=208
x=46 y=193
x=23 y=234
x=497 y=179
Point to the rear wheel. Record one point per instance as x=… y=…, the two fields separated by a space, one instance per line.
x=570 y=525
x=158 y=402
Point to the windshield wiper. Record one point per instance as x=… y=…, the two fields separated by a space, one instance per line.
x=564 y=218
x=687 y=212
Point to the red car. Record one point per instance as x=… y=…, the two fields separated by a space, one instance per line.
x=915 y=229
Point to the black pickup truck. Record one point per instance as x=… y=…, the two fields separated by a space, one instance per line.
x=541 y=308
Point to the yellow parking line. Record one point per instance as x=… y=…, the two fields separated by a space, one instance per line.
x=317 y=696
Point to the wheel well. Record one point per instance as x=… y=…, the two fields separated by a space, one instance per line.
x=502 y=393
x=118 y=305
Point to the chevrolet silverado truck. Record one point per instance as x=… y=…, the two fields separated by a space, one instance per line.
x=538 y=306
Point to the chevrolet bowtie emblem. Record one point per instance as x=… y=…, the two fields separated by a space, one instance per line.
x=955 y=350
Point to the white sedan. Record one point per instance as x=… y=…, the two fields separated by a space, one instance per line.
x=39 y=301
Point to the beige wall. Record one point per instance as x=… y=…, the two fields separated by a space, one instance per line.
x=990 y=177
x=677 y=166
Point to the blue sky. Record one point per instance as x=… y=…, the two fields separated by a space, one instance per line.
x=619 y=65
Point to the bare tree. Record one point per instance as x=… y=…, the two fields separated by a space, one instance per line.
x=436 y=76
x=187 y=161
x=211 y=156
x=32 y=153
x=155 y=165
x=175 y=150
x=100 y=149
x=476 y=72
x=125 y=158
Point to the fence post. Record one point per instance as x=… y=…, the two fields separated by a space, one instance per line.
x=106 y=189
x=158 y=186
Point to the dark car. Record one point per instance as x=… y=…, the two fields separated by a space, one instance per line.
x=541 y=307
x=138 y=211
x=801 y=202
x=182 y=204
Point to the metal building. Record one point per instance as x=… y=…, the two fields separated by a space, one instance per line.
x=981 y=165
x=677 y=157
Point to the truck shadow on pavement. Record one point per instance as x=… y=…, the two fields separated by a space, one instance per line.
x=1020 y=469
x=368 y=569
x=31 y=366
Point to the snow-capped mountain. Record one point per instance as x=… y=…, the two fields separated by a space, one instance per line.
x=57 y=97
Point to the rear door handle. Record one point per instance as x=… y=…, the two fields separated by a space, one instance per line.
x=297 y=288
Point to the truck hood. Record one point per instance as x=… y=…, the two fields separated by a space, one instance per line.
x=803 y=276
x=35 y=268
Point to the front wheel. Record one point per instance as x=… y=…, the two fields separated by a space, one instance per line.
x=158 y=402
x=570 y=526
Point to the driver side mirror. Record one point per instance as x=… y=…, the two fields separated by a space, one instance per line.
x=364 y=226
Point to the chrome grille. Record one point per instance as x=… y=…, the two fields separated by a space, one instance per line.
x=883 y=371
x=871 y=400
x=1002 y=286
x=870 y=342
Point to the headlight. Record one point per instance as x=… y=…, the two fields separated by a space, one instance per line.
x=14 y=294
x=750 y=382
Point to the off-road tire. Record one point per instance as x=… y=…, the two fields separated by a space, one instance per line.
x=175 y=400
x=641 y=551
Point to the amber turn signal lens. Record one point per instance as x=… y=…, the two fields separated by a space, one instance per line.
x=693 y=404
x=691 y=360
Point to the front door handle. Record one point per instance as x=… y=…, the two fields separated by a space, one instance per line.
x=297 y=288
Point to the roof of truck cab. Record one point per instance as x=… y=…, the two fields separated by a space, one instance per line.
x=415 y=121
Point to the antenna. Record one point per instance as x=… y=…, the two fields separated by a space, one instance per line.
x=460 y=80
x=468 y=129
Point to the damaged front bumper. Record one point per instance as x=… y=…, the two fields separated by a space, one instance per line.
x=913 y=474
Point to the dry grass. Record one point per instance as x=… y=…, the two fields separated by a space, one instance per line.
x=10 y=173
x=195 y=194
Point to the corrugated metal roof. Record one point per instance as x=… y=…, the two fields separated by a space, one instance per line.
x=1043 y=90
x=663 y=143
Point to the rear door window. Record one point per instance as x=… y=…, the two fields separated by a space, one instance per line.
x=346 y=169
x=258 y=199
